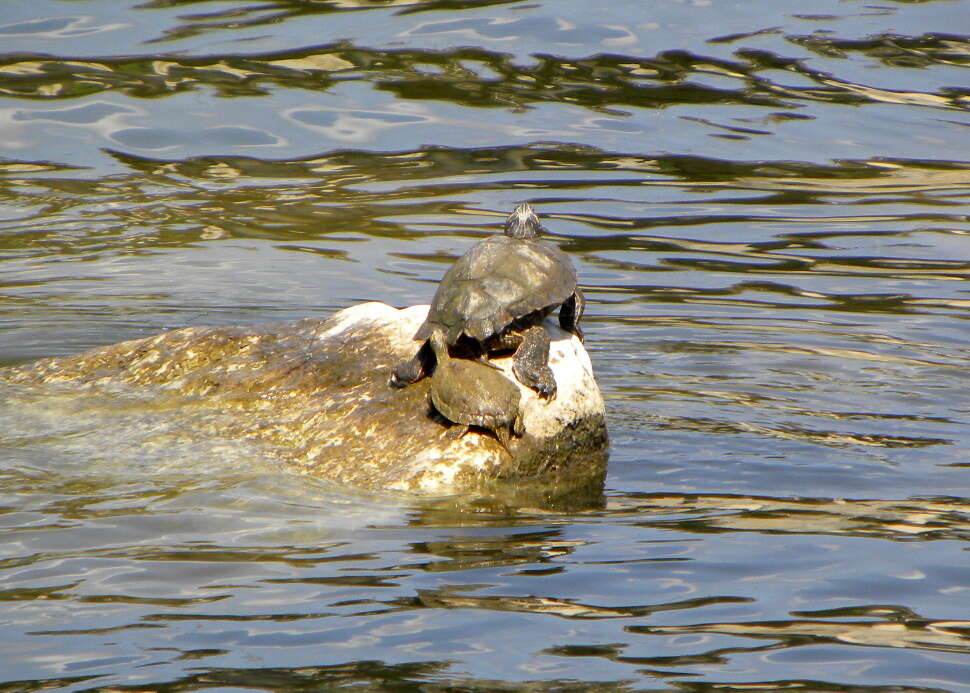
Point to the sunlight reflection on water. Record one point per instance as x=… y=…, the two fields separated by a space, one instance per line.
x=768 y=212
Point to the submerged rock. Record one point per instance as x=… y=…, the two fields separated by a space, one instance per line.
x=315 y=394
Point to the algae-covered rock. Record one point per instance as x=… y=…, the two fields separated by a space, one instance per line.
x=314 y=394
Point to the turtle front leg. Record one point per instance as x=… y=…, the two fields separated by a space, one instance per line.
x=530 y=363
x=412 y=370
x=571 y=311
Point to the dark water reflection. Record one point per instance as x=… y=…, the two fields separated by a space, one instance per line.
x=767 y=203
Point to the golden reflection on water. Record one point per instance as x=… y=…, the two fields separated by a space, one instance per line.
x=938 y=518
x=770 y=223
x=950 y=636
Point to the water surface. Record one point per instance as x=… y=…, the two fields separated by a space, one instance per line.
x=767 y=205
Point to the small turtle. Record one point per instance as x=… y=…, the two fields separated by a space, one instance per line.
x=470 y=393
x=495 y=297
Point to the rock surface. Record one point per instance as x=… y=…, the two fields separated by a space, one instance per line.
x=315 y=394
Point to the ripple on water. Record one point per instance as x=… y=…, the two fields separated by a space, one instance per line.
x=767 y=207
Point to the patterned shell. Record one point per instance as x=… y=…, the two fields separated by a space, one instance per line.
x=471 y=393
x=497 y=281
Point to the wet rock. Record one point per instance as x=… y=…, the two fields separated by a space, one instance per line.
x=315 y=395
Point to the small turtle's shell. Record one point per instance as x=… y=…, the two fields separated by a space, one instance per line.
x=471 y=393
x=497 y=281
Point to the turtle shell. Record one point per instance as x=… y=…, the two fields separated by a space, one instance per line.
x=497 y=281
x=468 y=392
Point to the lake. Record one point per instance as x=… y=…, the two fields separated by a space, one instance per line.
x=767 y=204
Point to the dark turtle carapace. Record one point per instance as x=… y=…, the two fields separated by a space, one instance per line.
x=470 y=393
x=494 y=299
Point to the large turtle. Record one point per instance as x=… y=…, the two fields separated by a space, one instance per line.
x=470 y=393
x=495 y=297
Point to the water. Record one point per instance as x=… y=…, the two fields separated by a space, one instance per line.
x=767 y=204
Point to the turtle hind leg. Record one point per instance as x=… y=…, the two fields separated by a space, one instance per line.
x=504 y=437
x=531 y=362
x=414 y=369
x=571 y=311
x=518 y=428
x=457 y=431
x=504 y=433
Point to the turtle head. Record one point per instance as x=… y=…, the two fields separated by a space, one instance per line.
x=523 y=222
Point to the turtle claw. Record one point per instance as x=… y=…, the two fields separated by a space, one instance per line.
x=548 y=393
x=411 y=371
x=544 y=385
x=504 y=437
x=403 y=375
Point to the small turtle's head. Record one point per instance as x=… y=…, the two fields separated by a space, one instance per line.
x=523 y=222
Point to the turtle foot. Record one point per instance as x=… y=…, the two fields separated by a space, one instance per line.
x=504 y=437
x=456 y=432
x=544 y=386
x=531 y=363
x=402 y=376
x=410 y=371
